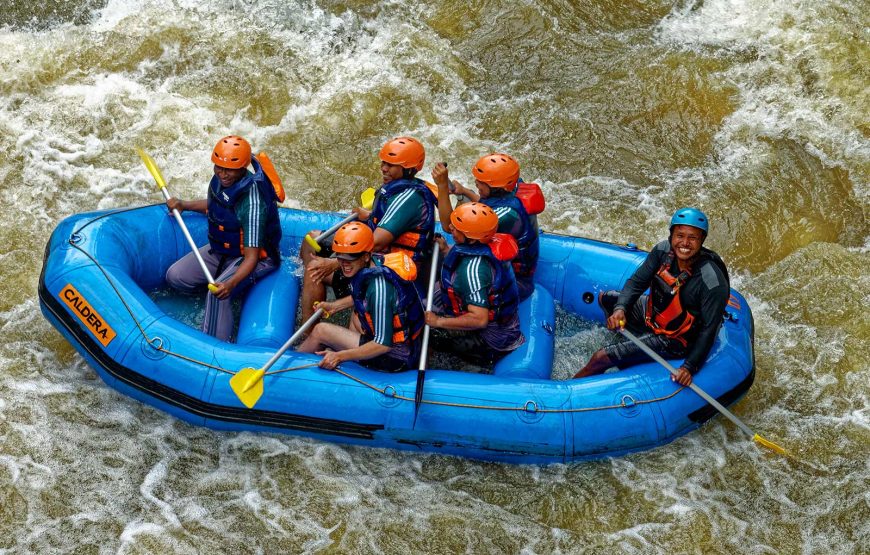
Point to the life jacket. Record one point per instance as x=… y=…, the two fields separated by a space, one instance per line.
x=272 y=174
x=418 y=240
x=674 y=321
x=225 y=230
x=408 y=317
x=532 y=197
x=527 y=260
x=503 y=295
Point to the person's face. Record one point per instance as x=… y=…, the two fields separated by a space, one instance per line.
x=483 y=188
x=228 y=176
x=350 y=268
x=686 y=241
x=391 y=172
x=458 y=237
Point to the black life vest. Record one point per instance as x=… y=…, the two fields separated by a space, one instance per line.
x=674 y=321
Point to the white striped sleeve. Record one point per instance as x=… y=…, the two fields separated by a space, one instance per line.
x=252 y=217
x=477 y=291
x=379 y=308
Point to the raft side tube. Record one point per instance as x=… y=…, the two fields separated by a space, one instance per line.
x=268 y=315
x=534 y=358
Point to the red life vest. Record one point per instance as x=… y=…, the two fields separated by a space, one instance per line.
x=673 y=321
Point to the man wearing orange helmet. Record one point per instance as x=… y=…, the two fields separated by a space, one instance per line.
x=479 y=294
x=384 y=331
x=402 y=218
x=243 y=233
x=497 y=176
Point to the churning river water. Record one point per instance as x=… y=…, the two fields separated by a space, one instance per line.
x=756 y=110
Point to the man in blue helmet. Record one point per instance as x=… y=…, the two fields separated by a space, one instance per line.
x=680 y=318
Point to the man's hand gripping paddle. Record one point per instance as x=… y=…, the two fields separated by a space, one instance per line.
x=247 y=384
x=718 y=406
x=367 y=200
x=161 y=184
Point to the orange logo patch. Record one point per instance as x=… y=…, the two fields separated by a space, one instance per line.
x=86 y=313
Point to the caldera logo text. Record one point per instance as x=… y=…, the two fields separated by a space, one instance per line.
x=86 y=313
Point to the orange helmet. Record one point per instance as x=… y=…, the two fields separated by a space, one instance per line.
x=497 y=170
x=232 y=152
x=404 y=151
x=475 y=221
x=353 y=238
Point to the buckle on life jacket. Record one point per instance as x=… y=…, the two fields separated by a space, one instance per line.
x=676 y=334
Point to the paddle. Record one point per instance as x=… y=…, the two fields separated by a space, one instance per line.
x=755 y=437
x=161 y=184
x=421 y=372
x=248 y=382
x=367 y=198
x=315 y=243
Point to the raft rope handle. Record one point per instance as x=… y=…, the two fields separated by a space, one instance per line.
x=390 y=391
x=153 y=342
x=383 y=391
x=112 y=213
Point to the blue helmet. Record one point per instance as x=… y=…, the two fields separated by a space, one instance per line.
x=692 y=217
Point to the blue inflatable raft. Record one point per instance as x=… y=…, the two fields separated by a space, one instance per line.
x=97 y=287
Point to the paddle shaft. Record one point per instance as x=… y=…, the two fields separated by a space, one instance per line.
x=161 y=184
x=317 y=314
x=187 y=236
x=333 y=229
x=433 y=270
x=716 y=404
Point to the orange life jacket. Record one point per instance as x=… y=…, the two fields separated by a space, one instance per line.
x=673 y=321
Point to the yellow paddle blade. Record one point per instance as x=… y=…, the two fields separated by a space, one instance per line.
x=152 y=168
x=770 y=445
x=367 y=198
x=312 y=243
x=247 y=384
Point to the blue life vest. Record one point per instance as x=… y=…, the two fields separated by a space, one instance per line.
x=408 y=317
x=417 y=240
x=224 y=228
x=503 y=295
x=527 y=260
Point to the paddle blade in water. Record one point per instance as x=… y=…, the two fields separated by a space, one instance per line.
x=247 y=384
x=770 y=445
x=367 y=198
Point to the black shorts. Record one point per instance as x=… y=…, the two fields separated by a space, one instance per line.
x=623 y=352
x=467 y=345
x=383 y=363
